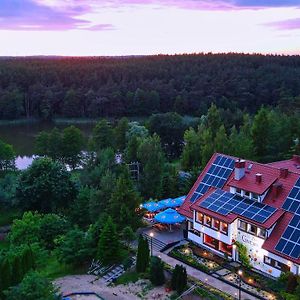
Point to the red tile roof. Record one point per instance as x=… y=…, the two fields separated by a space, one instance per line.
x=277 y=232
x=292 y=165
x=248 y=182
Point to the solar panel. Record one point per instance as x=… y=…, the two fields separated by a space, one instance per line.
x=224 y=203
x=216 y=176
x=289 y=243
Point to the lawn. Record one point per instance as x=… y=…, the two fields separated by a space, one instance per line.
x=127 y=277
x=54 y=269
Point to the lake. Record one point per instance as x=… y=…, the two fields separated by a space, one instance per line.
x=22 y=137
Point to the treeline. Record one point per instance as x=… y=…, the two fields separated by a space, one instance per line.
x=139 y=86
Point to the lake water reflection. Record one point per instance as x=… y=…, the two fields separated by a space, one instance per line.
x=22 y=138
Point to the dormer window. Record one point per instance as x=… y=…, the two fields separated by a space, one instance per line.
x=247 y=194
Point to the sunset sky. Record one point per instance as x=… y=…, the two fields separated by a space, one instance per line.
x=136 y=27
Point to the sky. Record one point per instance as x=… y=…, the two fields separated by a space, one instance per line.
x=143 y=27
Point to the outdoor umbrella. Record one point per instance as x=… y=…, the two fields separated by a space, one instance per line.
x=169 y=216
x=172 y=202
x=152 y=206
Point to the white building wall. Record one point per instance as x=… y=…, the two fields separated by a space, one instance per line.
x=253 y=244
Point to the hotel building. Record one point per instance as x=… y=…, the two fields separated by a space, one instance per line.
x=255 y=204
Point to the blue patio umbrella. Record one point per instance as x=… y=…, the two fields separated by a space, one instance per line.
x=172 y=202
x=152 y=206
x=169 y=216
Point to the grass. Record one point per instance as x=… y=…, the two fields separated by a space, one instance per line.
x=7 y=216
x=54 y=269
x=127 y=277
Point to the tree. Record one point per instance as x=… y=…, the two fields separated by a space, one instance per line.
x=74 y=247
x=124 y=201
x=191 y=154
x=32 y=287
x=6 y=274
x=128 y=235
x=170 y=128
x=260 y=132
x=157 y=276
x=221 y=142
x=213 y=119
x=7 y=156
x=120 y=134
x=26 y=230
x=142 y=258
x=151 y=156
x=79 y=211
x=102 y=136
x=109 y=245
x=207 y=148
x=72 y=144
x=179 y=279
x=45 y=186
x=132 y=149
x=51 y=227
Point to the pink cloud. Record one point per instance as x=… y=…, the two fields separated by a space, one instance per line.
x=289 y=24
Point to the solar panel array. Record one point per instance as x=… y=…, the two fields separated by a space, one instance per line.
x=224 y=203
x=216 y=176
x=289 y=242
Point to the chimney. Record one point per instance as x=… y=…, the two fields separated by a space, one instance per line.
x=284 y=172
x=277 y=188
x=239 y=170
x=296 y=158
x=258 y=178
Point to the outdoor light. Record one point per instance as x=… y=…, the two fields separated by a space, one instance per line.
x=240 y=272
x=211 y=265
x=151 y=238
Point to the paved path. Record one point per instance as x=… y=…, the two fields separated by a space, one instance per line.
x=214 y=282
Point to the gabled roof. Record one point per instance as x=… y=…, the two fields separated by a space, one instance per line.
x=293 y=165
x=248 y=182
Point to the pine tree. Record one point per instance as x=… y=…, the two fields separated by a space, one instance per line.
x=157 y=276
x=221 y=140
x=17 y=269
x=109 y=245
x=142 y=260
x=124 y=201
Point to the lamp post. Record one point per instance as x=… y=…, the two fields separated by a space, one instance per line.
x=240 y=273
x=151 y=238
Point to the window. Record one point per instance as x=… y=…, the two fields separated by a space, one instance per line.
x=255 y=196
x=247 y=194
x=276 y=264
x=224 y=227
x=199 y=217
x=216 y=224
x=262 y=233
x=267 y=260
x=238 y=191
x=242 y=225
x=207 y=221
x=211 y=242
x=252 y=229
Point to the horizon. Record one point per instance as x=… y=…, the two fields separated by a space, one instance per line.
x=148 y=27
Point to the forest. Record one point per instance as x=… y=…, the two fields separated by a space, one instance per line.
x=46 y=88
